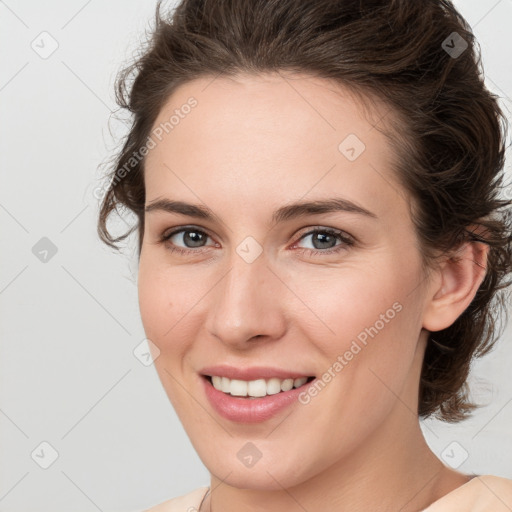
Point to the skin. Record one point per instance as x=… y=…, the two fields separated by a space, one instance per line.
x=251 y=145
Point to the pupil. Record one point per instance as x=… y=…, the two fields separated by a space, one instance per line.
x=190 y=235
x=323 y=237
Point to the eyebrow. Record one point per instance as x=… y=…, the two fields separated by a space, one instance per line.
x=287 y=212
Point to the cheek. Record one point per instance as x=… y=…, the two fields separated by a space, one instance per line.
x=160 y=311
x=162 y=294
x=151 y=304
x=159 y=307
x=369 y=323
x=348 y=302
x=168 y=304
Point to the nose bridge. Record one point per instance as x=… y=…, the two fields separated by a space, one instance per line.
x=246 y=300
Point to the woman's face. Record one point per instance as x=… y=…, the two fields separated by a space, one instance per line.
x=267 y=292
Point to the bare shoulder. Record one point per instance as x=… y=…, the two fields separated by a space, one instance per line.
x=186 y=503
x=481 y=494
x=494 y=486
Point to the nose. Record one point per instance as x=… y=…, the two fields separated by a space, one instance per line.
x=247 y=304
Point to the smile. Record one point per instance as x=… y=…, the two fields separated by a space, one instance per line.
x=256 y=388
x=245 y=401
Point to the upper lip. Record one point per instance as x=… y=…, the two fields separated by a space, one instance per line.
x=251 y=373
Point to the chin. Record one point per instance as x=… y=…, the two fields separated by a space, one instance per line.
x=273 y=474
x=258 y=479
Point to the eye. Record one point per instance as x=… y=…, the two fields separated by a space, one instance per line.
x=324 y=241
x=193 y=239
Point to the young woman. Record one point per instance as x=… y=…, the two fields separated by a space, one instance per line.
x=322 y=245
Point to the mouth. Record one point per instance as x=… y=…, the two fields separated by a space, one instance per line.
x=258 y=388
x=253 y=394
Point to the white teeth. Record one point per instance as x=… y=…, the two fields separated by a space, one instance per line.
x=225 y=385
x=286 y=384
x=297 y=383
x=273 y=386
x=255 y=388
x=238 y=387
x=216 y=380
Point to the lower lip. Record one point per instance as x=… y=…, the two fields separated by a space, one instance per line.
x=246 y=410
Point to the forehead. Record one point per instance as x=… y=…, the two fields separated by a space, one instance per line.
x=273 y=104
x=281 y=136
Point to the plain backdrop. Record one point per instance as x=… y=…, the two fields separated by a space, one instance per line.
x=73 y=395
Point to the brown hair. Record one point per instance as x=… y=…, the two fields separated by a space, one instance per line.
x=449 y=141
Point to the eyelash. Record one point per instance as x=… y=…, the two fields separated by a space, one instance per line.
x=347 y=241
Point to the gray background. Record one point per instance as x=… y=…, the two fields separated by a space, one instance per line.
x=69 y=325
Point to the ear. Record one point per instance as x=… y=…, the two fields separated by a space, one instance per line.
x=455 y=285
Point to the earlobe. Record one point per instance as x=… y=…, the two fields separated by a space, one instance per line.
x=461 y=275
